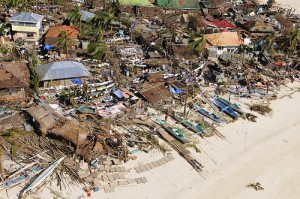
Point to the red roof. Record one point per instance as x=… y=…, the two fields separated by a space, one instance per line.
x=220 y=23
x=55 y=30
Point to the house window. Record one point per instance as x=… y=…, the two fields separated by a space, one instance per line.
x=220 y=47
x=30 y=35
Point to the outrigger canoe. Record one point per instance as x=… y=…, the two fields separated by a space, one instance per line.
x=43 y=176
x=196 y=128
x=226 y=109
x=207 y=114
x=234 y=106
x=173 y=131
x=20 y=176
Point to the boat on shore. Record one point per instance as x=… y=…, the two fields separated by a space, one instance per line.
x=211 y=116
x=20 y=176
x=42 y=176
x=173 y=131
x=234 y=106
x=226 y=109
x=196 y=128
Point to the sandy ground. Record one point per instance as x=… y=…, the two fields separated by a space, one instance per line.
x=287 y=4
x=267 y=151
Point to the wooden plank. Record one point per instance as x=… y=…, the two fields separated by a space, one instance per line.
x=148 y=167
x=130 y=181
x=151 y=165
x=109 y=189
x=138 y=169
x=115 y=176
x=121 y=175
x=110 y=178
x=123 y=182
x=144 y=180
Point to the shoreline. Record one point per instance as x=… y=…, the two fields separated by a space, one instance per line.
x=286 y=4
x=253 y=152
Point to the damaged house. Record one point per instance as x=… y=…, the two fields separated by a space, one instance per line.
x=156 y=93
x=14 y=78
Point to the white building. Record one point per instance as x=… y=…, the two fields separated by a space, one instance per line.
x=27 y=26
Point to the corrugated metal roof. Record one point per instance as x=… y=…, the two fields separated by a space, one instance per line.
x=26 y=17
x=62 y=70
x=86 y=15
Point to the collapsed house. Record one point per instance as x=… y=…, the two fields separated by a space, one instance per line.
x=14 y=79
x=156 y=93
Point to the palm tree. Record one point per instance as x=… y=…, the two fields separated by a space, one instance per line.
x=294 y=39
x=102 y=20
x=63 y=41
x=269 y=40
x=197 y=43
x=75 y=17
x=99 y=50
x=16 y=3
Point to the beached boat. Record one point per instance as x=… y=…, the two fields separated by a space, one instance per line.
x=234 y=106
x=207 y=114
x=173 y=131
x=20 y=176
x=226 y=109
x=43 y=176
x=196 y=128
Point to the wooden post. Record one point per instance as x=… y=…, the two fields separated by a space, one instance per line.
x=185 y=101
x=77 y=144
x=1 y=165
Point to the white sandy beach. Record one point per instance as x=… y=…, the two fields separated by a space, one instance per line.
x=287 y=4
x=267 y=151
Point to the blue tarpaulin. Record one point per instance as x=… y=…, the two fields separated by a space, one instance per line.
x=106 y=73
x=119 y=93
x=76 y=81
x=175 y=91
x=48 y=46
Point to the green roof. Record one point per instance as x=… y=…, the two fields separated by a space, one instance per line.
x=135 y=2
x=179 y=4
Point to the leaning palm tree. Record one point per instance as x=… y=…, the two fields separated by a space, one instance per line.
x=197 y=43
x=75 y=17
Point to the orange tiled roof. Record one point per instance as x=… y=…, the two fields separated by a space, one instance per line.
x=223 y=39
x=55 y=30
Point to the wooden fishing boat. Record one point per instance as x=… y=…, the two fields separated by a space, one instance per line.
x=196 y=128
x=173 y=131
x=43 y=176
x=234 y=106
x=226 y=109
x=207 y=114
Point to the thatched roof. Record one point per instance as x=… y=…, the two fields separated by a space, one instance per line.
x=14 y=75
x=44 y=118
x=156 y=93
x=70 y=130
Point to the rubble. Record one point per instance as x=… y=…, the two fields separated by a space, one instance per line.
x=90 y=85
